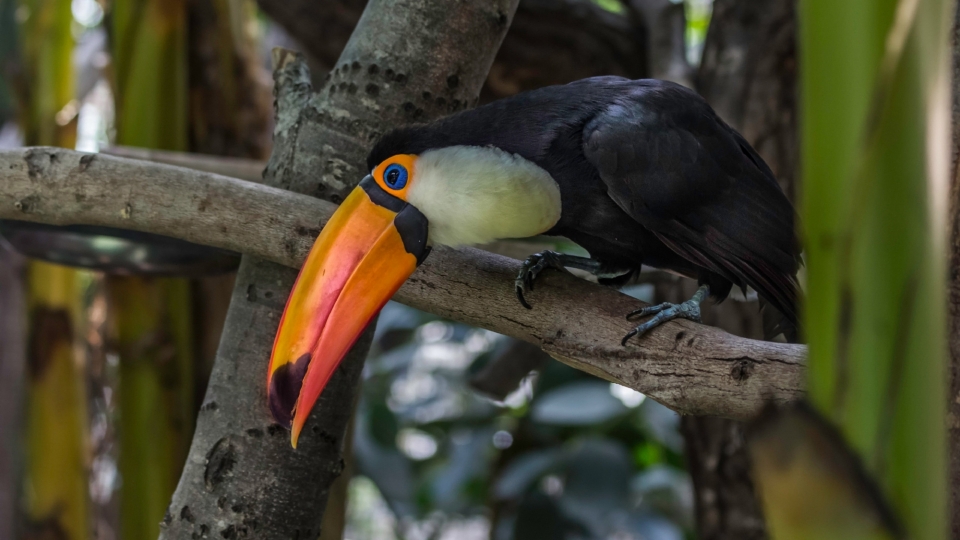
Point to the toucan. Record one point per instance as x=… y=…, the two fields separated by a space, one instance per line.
x=637 y=172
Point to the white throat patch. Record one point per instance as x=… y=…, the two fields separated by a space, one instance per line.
x=473 y=195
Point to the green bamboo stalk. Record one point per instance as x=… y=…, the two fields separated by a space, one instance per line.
x=55 y=477
x=150 y=73
x=875 y=156
x=152 y=320
x=56 y=502
x=46 y=83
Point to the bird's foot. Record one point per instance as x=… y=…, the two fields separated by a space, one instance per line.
x=666 y=311
x=536 y=263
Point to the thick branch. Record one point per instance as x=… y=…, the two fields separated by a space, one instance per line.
x=688 y=367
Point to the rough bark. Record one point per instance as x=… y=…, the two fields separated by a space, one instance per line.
x=549 y=42
x=250 y=170
x=505 y=371
x=748 y=74
x=691 y=368
x=719 y=465
x=242 y=478
x=12 y=360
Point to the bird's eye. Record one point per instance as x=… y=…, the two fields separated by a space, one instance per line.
x=395 y=176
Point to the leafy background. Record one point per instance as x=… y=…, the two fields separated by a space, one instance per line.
x=565 y=455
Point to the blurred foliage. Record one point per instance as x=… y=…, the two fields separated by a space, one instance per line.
x=55 y=494
x=698 y=13
x=8 y=55
x=230 y=107
x=149 y=50
x=152 y=328
x=564 y=456
x=875 y=159
x=44 y=77
x=614 y=6
x=812 y=484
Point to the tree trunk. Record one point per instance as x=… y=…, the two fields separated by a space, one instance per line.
x=748 y=74
x=242 y=477
x=229 y=114
x=12 y=361
x=717 y=459
x=549 y=42
x=229 y=103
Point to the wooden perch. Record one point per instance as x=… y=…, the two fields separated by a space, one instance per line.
x=247 y=169
x=688 y=367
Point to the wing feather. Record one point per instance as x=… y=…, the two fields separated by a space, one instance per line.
x=674 y=166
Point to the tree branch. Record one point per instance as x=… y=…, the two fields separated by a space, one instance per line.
x=247 y=169
x=690 y=368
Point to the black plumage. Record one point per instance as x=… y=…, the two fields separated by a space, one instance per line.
x=648 y=174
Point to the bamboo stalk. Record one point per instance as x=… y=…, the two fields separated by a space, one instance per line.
x=875 y=150
x=55 y=476
x=152 y=321
x=55 y=489
x=152 y=329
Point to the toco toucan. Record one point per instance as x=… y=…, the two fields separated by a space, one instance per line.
x=637 y=172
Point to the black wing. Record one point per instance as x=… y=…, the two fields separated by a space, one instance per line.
x=674 y=166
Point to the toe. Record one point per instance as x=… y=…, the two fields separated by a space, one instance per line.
x=649 y=310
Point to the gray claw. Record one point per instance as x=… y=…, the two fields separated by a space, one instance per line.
x=689 y=310
x=649 y=310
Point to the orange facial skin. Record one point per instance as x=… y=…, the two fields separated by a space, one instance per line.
x=358 y=262
x=408 y=161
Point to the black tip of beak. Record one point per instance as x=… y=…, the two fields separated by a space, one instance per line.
x=284 y=389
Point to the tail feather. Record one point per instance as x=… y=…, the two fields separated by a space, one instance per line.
x=778 y=289
x=776 y=323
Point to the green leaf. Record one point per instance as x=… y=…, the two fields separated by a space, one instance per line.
x=874 y=135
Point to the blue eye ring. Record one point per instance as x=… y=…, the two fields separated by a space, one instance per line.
x=395 y=176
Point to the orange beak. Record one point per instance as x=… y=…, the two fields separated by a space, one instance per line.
x=366 y=251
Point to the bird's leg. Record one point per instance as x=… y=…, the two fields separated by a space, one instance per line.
x=538 y=262
x=667 y=311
